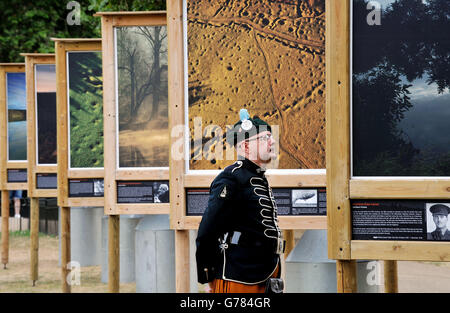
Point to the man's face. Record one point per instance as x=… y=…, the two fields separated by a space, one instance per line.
x=261 y=147
x=440 y=220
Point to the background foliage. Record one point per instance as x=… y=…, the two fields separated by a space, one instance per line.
x=27 y=26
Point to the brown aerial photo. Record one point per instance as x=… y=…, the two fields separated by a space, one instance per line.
x=143 y=96
x=267 y=57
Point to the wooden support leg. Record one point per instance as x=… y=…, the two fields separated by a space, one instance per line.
x=390 y=277
x=5 y=227
x=290 y=241
x=65 y=248
x=346 y=276
x=34 y=234
x=182 y=278
x=114 y=253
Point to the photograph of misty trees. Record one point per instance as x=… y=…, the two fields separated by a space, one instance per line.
x=401 y=80
x=86 y=109
x=142 y=96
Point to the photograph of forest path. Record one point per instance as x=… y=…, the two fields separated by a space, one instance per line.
x=267 y=57
x=17 y=116
x=86 y=109
x=142 y=96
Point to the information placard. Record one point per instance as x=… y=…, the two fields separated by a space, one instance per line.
x=289 y=201
x=46 y=181
x=86 y=187
x=400 y=220
x=143 y=191
x=17 y=175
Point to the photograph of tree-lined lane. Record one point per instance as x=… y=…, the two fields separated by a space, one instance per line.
x=17 y=116
x=401 y=98
x=46 y=113
x=142 y=96
x=86 y=109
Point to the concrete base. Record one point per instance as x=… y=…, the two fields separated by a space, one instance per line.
x=85 y=235
x=308 y=268
x=155 y=255
x=193 y=262
x=128 y=225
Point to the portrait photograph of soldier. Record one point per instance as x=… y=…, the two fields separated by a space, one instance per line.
x=161 y=192
x=438 y=229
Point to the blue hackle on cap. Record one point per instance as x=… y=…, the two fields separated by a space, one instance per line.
x=243 y=115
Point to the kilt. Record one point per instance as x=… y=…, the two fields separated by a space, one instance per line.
x=226 y=286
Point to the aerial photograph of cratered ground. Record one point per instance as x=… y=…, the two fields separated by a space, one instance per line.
x=267 y=57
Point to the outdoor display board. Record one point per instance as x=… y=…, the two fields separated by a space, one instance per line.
x=41 y=124
x=13 y=124
x=136 y=128
x=289 y=201
x=267 y=57
x=387 y=129
x=80 y=122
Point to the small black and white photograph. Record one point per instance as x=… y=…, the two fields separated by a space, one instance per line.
x=99 y=187
x=161 y=192
x=304 y=198
x=437 y=221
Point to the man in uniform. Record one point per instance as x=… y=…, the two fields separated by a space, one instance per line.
x=239 y=242
x=440 y=217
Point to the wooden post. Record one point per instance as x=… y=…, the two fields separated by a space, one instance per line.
x=114 y=253
x=290 y=241
x=346 y=276
x=5 y=227
x=65 y=247
x=182 y=283
x=34 y=234
x=390 y=277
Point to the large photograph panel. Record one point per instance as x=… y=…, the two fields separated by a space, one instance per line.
x=17 y=116
x=267 y=57
x=143 y=118
x=46 y=113
x=85 y=109
x=401 y=79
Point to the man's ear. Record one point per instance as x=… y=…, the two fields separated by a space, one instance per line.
x=246 y=147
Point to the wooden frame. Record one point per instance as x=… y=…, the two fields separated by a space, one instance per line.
x=32 y=59
x=110 y=20
x=5 y=163
x=62 y=47
x=342 y=186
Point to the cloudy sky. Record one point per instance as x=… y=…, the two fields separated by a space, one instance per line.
x=16 y=91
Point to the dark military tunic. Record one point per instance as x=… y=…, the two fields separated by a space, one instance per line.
x=240 y=203
x=437 y=235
